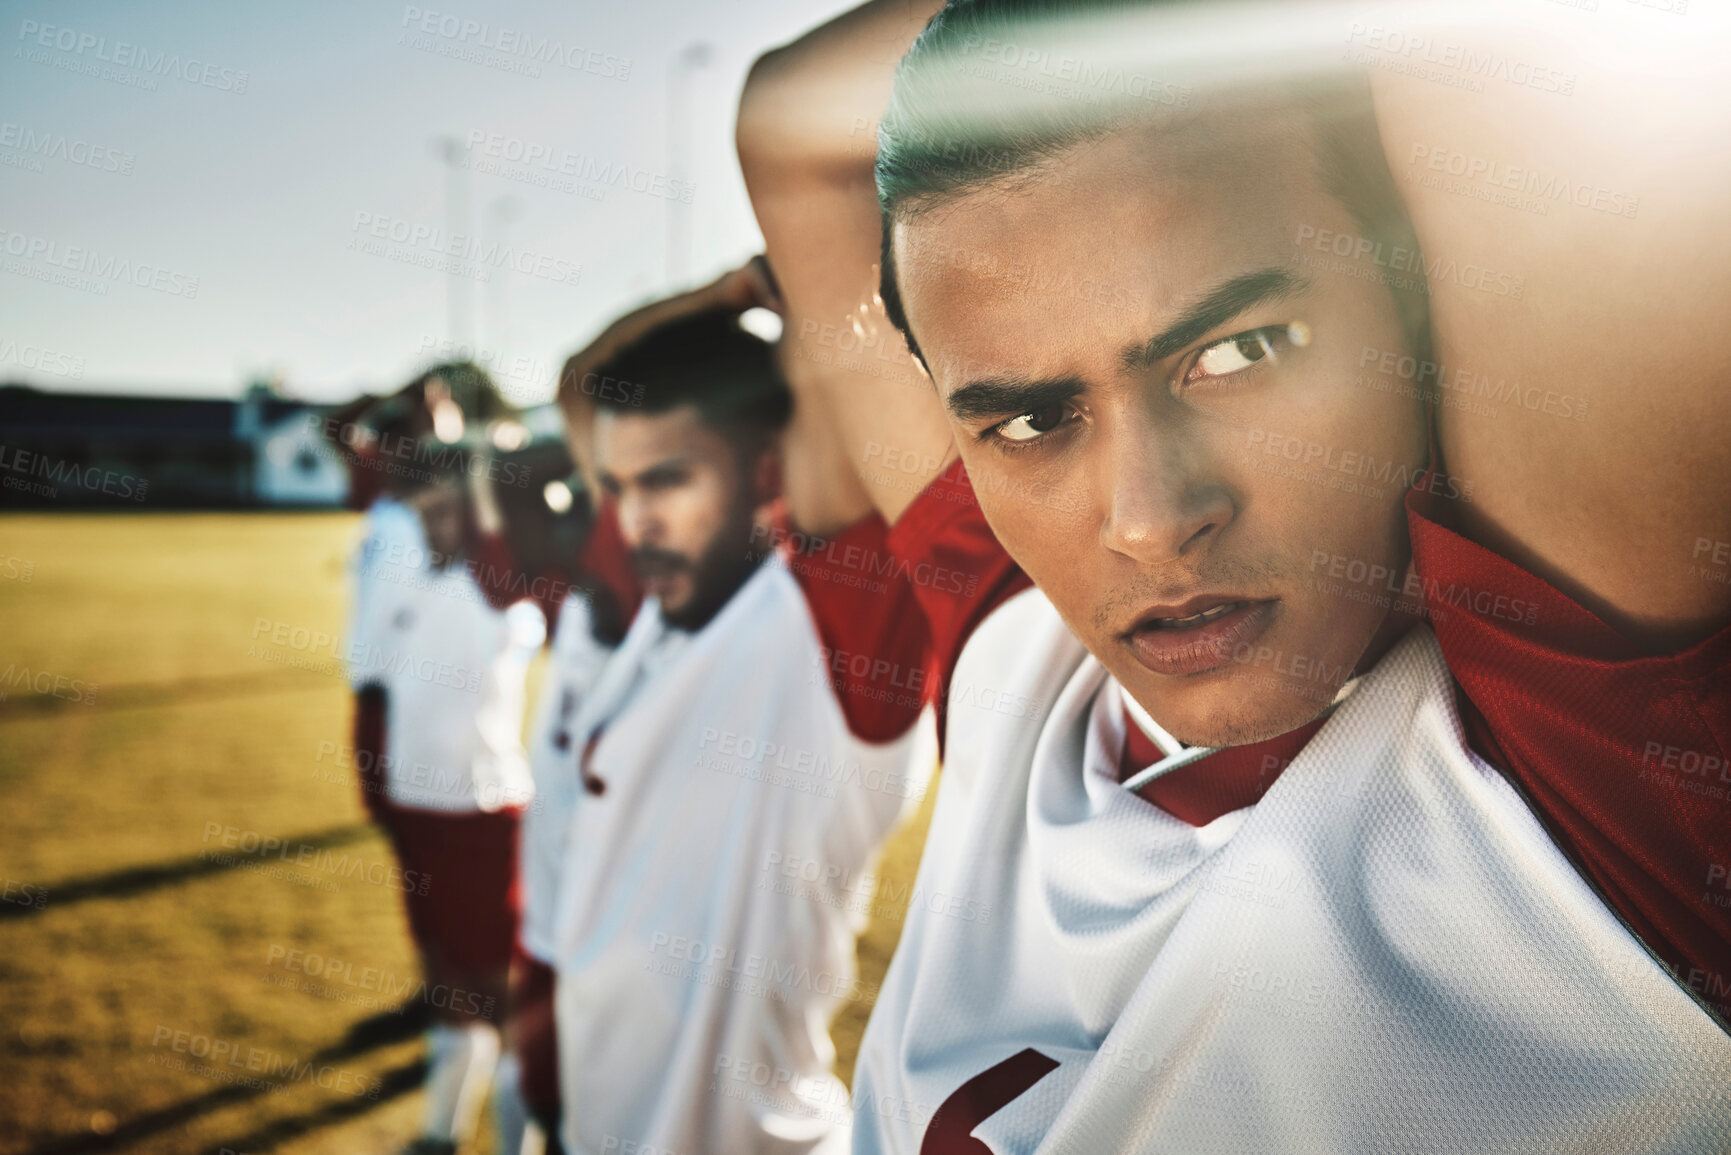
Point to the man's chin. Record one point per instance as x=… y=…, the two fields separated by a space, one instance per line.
x=1238 y=708
x=672 y=592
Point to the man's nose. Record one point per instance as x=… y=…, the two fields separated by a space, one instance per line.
x=639 y=522
x=1161 y=502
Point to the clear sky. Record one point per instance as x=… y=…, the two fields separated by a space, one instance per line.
x=170 y=226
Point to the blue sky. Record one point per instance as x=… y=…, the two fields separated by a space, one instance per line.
x=170 y=226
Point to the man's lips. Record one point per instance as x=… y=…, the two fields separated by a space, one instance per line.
x=1198 y=634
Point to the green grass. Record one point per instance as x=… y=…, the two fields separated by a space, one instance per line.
x=191 y=719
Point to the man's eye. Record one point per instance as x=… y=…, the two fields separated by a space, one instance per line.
x=1234 y=354
x=1031 y=426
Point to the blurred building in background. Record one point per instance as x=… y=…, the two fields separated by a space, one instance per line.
x=89 y=449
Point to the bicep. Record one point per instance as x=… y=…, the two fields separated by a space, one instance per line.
x=1572 y=249
x=845 y=361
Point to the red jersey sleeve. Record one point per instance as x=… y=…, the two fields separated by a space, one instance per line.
x=603 y=570
x=959 y=571
x=495 y=570
x=1623 y=756
x=870 y=630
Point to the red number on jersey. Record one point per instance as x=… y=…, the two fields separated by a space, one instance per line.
x=951 y=1131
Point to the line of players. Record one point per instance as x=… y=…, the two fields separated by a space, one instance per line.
x=694 y=730
x=1269 y=868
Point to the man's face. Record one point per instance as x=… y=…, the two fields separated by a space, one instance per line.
x=1160 y=407
x=685 y=507
x=443 y=509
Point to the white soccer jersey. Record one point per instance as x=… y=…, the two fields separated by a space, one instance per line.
x=708 y=910
x=576 y=661
x=389 y=530
x=453 y=669
x=1386 y=953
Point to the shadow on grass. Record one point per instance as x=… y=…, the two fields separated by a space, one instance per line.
x=138 y=879
x=369 y=1034
x=136 y=695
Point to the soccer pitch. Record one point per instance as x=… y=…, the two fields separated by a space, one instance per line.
x=200 y=948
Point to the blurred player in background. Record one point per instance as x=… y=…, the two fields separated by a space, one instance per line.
x=458 y=631
x=1341 y=822
x=457 y=782
x=585 y=587
x=379 y=441
x=717 y=742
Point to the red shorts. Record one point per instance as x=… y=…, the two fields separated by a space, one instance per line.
x=537 y=1041
x=460 y=884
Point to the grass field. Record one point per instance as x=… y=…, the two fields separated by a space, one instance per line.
x=148 y=731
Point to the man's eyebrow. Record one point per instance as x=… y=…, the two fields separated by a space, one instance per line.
x=995 y=397
x=1218 y=306
x=665 y=467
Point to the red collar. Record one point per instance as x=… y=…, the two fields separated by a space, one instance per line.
x=1222 y=782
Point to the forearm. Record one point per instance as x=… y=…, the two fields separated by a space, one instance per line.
x=807 y=143
x=1580 y=401
x=824 y=494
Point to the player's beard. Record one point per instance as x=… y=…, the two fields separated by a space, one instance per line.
x=715 y=575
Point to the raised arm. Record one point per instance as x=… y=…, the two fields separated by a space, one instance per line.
x=807 y=141
x=1572 y=213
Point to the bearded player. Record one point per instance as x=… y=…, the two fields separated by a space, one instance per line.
x=731 y=734
x=1372 y=632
